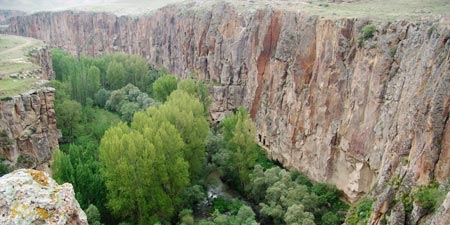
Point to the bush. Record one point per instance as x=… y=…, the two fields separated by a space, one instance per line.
x=93 y=215
x=367 y=32
x=427 y=196
x=4 y=168
x=224 y=205
x=360 y=213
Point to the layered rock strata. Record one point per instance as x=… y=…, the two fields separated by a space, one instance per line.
x=32 y=197
x=28 y=133
x=339 y=108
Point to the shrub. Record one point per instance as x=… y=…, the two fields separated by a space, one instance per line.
x=4 y=168
x=427 y=196
x=224 y=205
x=367 y=32
x=360 y=213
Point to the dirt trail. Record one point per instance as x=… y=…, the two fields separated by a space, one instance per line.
x=27 y=43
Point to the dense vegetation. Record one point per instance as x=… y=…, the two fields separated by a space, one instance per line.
x=137 y=147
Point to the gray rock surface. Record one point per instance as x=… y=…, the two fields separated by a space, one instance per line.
x=32 y=197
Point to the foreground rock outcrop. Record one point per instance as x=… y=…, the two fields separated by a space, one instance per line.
x=344 y=110
x=32 y=197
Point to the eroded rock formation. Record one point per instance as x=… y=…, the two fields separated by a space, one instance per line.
x=28 y=133
x=32 y=197
x=348 y=112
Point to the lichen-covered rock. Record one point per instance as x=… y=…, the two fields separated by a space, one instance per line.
x=32 y=197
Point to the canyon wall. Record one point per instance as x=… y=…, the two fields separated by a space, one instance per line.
x=348 y=112
x=28 y=133
x=28 y=129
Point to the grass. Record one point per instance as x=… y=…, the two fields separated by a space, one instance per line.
x=11 y=87
x=15 y=66
x=378 y=9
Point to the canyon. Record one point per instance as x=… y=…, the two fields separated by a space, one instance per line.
x=357 y=113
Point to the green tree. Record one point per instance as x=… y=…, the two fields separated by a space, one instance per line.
x=93 y=215
x=163 y=86
x=68 y=117
x=145 y=170
x=115 y=75
x=296 y=215
x=129 y=170
x=239 y=132
x=101 y=97
x=136 y=71
x=186 y=114
x=128 y=109
x=93 y=82
x=62 y=169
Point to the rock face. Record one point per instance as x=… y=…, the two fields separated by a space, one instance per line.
x=28 y=133
x=32 y=197
x=348 y=112
x=5 y=15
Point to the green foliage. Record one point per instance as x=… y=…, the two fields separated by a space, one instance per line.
x=78 y=162
x=296 y=215
x=148 y=165
x=192 y=195
x=163 y=87
x=427 y=196
x=330 y=218
x=68 y=117
x=186 y=217
x=84 y=77
x=128 y=100
x=277 y=190
x=115 y=75
x=186 y=113
x=101 y=97
x=93 y=215
x=224 y=205
x=394 y=51
x=4 y=168
x=263 y=160
x=239 y=134
x=62 y=168
x=367 y=32
x=360 y=213
x=244 y=216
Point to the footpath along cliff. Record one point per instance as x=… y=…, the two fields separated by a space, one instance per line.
x=369 y=114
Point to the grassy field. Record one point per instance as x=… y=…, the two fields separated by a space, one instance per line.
x=379 y=9
x=373 y=9
x=15 y=66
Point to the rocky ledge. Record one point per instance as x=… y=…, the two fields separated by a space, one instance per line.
x=32 y=197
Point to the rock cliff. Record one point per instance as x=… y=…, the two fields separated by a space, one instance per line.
x=28 y=133
x=28 y=129
x=5 y=15
x=32 y=197
x=342 y=109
